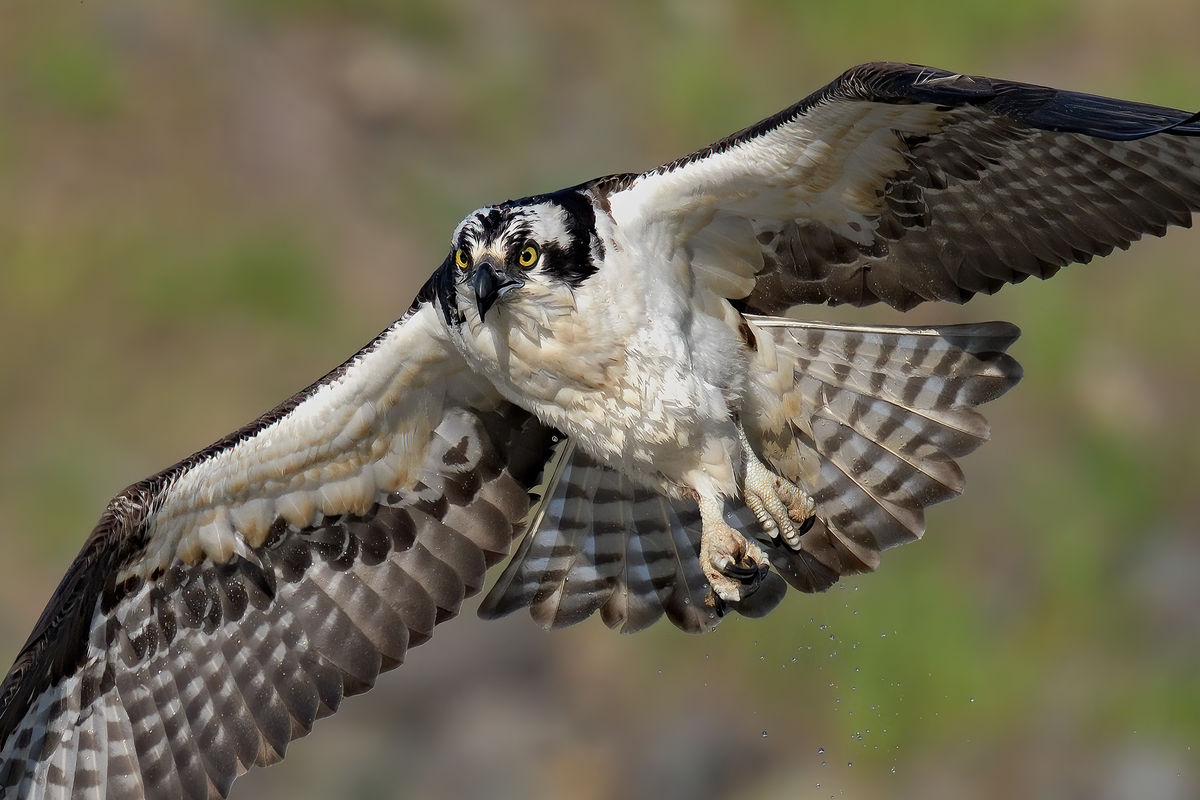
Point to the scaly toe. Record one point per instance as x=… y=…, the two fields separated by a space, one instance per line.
x=783 y=509
x=800 y=504
x=765 y=520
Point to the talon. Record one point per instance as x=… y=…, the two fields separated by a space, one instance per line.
x=807 y=525
x=748 y=575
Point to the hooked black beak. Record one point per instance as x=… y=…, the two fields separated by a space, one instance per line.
x=491 y=284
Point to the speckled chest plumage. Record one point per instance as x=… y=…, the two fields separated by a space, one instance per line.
x=620 y=364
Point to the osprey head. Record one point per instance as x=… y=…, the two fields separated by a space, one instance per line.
x=518 y=252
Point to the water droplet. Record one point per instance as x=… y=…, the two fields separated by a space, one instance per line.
x=849 y=763
x=764 y=734
x=820 y=751
x=892 y=770
x=660 y=670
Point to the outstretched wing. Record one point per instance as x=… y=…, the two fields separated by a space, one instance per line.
x=901 y=184
x=221 y=607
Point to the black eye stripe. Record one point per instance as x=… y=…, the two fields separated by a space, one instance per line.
x=573 y=263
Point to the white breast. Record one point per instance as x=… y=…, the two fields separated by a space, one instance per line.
x=629 y=367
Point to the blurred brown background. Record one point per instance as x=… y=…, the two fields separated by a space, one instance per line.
x=205 y=205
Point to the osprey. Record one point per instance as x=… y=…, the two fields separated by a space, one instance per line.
x=609 y=343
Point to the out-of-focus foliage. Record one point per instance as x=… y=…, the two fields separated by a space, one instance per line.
x=204 y=206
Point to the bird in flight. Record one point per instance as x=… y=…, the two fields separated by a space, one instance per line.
x=611 y=376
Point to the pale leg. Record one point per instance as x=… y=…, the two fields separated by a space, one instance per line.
x=783 y=509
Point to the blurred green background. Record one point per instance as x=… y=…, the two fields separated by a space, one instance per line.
x=205 y=205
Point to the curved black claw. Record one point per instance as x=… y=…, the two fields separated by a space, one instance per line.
x=806 y=526
x=751 y=575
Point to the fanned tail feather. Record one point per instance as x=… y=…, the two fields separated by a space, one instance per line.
x=602 y=542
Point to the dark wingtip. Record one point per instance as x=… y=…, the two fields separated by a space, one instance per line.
x=1185 y=127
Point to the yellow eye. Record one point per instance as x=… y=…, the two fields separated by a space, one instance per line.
x=460 y=258
x=528 y=257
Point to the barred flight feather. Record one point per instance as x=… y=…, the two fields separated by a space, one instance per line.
x=185 y=679
x=905 y=184
x=877 y=417
x=602 y=542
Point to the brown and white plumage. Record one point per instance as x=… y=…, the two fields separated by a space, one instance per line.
x=901 y=184
x=606 y=342
x=174 y=657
